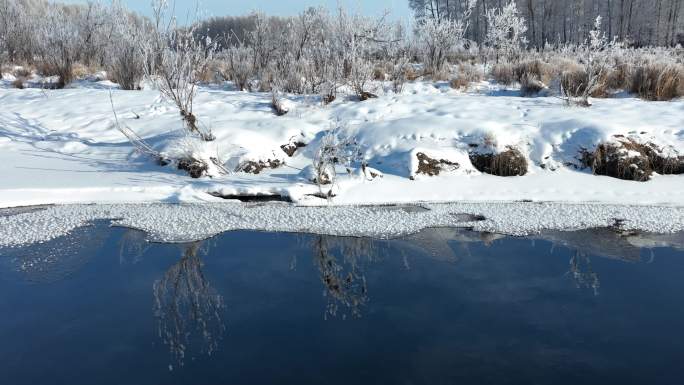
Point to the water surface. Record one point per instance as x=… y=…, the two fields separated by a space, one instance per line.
x=103 y=306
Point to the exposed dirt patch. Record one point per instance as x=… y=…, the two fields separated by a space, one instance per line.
x=255 y=167
x=432 y=167
x=367 y=95
x=630 y=160
x=291 y=148
x=510 y=162
x=195 y=168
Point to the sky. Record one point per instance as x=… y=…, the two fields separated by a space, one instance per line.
x=398 y=8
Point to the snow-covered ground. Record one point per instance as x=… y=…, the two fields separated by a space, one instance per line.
x=62 y=146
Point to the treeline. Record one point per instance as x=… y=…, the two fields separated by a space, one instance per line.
x=322 y=52
x=638 y=22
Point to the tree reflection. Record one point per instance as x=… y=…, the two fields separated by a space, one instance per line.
x=187 y=308
x=344 y=280
x=583 y=273
x=133 y=245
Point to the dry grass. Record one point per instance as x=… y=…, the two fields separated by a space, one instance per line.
x=658 y=82
x=379 y=73
x=510 y=162
x=530 y=85
x=574 y=81
x=80 y=71
x=533 y=69
x=503 y=74
x=18 y=83
x=629 y=160
x=208 y=74
x=411 y=74
x=467 y=74
x=64 y=73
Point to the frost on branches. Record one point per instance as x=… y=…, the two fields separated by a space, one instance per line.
x=506 y=33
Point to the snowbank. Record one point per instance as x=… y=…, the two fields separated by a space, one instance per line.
x=62 y=146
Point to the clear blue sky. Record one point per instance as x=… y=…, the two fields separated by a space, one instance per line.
x=398 y=8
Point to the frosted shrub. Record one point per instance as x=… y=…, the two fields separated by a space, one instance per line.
x=178 y=61
x=438 y=37
x=337 y=148
x=126 y=64
x=60 y=45
x=506 y=33
x=239 y=59
x=595 y=68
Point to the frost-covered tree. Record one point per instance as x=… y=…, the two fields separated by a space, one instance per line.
x=125 y=62
x=438 y=36
x=506 y=33
x=59 y=46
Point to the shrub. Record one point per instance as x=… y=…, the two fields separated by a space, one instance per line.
x=126 y=68
x=503 y=73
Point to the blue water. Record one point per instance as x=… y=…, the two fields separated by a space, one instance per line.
x=102 y=306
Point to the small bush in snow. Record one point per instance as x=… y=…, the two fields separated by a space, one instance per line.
x=336 y=148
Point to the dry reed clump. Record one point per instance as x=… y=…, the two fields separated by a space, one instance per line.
x=503 y=73
x=80 y=71
x=629 y=160
x=533 y=69
x=467 y=74
x=530 y=85
x=574 y=81
x=618 y=76
x=64 y=73
x=18 y=83
x=510 y=162
x=658 y=82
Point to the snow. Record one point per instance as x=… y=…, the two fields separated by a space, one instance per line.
x=62 y=146
x=191 y=222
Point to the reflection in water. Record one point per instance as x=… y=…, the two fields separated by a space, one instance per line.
x=187 y=308
x=582 y=272
x=132 y=246
x=344 y=280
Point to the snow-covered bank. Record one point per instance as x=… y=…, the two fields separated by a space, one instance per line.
x=191 y=222
x=62 y=146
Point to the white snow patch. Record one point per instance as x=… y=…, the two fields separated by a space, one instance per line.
x=191 y=222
